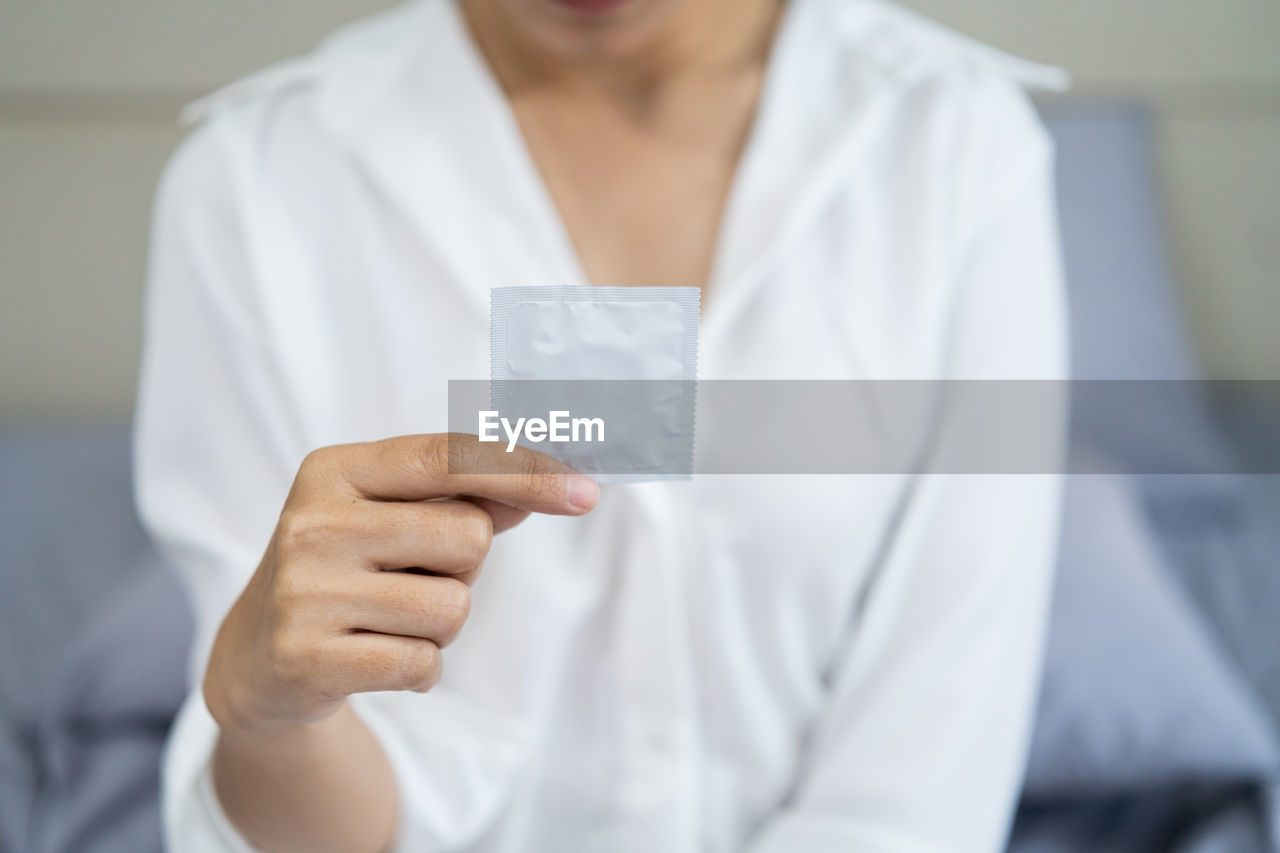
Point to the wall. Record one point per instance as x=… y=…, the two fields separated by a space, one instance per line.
x=1211 y=72
x=88 y=92
x=88 y=98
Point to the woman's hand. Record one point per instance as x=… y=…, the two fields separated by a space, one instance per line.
x=367 y=575
x=365 y=579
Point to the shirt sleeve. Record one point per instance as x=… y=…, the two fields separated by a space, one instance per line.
x=214 y=445
x=923 y=741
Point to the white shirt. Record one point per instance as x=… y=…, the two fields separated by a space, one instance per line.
x=733 y=663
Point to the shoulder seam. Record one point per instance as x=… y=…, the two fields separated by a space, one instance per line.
x=290 y=74
x=932 y=38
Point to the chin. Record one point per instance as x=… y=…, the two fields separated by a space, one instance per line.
x=593 y=29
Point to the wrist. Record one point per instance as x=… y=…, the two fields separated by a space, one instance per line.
x=260 y=735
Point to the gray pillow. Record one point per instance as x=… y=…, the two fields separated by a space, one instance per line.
x=1126 y=323
x=71 y=540
x=93 y=634
x=1137 y=691
x=129 y=663
x=100 y=627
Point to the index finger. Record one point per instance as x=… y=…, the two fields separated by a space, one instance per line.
x=453 y=465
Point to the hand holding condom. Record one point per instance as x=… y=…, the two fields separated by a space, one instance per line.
x=367 y=574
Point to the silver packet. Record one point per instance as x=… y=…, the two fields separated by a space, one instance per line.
x=619 y=362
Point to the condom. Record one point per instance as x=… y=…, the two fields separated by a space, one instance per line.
x=602 y=378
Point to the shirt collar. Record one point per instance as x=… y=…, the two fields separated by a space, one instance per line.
x=437 y=136
x=416 y=104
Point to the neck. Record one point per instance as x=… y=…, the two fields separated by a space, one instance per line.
x=701 y=37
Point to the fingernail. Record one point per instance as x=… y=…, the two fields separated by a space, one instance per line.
x=582 y=492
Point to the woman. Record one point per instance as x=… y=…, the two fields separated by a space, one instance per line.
x=763 y=664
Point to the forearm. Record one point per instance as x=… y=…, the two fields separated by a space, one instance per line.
x=308 y=787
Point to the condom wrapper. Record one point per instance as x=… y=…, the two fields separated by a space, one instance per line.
x=610 y=372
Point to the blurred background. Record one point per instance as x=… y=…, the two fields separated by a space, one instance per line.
x=89 y=93
x=1159 y=721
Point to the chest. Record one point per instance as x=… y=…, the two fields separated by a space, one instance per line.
x=641 y=191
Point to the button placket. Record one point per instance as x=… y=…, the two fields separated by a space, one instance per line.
x=658 y=726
